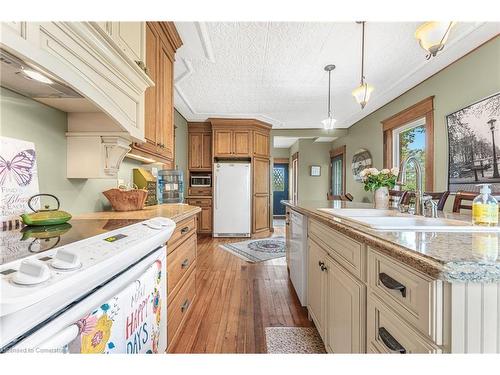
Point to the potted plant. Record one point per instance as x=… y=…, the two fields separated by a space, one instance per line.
x=380 y=182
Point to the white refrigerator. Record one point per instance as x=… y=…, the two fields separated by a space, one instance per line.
x=232 y=211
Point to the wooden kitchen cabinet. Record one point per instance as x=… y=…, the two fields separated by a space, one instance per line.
x=261 y=144
x=162 y=41
x=232 y=143
x=346 y=311
x=200 y=151
x=241 y=143
x=223 y=143
x=206 y=214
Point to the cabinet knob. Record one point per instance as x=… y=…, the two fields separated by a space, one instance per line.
x=185 y=305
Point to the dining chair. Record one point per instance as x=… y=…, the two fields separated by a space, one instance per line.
x=347 y=197
x=440 y=197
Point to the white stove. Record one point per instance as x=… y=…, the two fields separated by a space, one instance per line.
x=46 y=297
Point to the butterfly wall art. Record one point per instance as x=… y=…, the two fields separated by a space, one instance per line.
x=18 y=178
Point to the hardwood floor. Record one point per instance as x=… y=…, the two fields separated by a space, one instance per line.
x=235 y=301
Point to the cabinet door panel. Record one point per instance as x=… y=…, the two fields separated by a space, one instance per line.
x=129 y=36
x=165 y=104
x=223 y=142
x=346 y=308
x=206 y=153
x=316 y=285
x=195 y=150
x=206 y=219
x=151 y=108
x=241 y=145
x=261 y=144
x=260 y=176
x=261 y=213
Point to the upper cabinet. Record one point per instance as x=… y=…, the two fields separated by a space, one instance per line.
x=240 y=138
x=261 y=144
x=162 y=41
x=130 y=38
x=96 y=60
x=200 y=146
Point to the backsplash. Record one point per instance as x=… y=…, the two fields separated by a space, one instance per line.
x=26 y=119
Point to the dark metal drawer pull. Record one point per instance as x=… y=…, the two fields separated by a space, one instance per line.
x=321 y=264
x=390 y=341
x=185 y=305
x=184 y=230
x=390 y=283
x=185 y=264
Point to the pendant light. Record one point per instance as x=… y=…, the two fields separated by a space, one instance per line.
x=363 y=91
x=329 y=122
x=432 y=36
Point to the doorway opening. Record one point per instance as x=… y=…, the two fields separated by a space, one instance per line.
x=280 y=187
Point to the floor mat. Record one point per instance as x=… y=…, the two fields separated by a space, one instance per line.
x=257 y=250
x=294 y=340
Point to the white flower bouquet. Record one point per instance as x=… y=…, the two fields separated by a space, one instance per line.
x=375 y=179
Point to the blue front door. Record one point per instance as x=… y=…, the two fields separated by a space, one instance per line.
x=280 y=188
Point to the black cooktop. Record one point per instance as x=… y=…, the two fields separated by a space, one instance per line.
x=23 y=242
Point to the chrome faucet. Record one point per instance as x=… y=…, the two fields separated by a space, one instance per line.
x=419 y=193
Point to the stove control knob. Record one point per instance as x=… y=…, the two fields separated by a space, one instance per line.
x=31 y=272
x=66 y=260
x=152 y=224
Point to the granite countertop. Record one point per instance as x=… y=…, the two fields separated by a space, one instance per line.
x=177 y=212
x=450 y=256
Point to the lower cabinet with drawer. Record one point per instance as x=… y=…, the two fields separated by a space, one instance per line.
x=205 y=216
x=388 y=333
x=336 y=302
x=181 y=276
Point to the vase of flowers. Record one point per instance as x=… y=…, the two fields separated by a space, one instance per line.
x=379 y=182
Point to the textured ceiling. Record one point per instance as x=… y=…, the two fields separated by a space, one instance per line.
x=274 y=71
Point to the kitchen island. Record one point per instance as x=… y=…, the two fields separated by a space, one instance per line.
x=399 y=291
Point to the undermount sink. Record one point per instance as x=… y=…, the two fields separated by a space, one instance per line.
x=391 y=220
x=357 y=212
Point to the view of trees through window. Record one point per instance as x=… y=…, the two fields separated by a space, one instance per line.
x=412 y=143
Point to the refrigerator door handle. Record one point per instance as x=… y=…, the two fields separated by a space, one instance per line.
x=216 y=191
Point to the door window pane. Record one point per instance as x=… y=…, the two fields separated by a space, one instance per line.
x=278 y=179
x=409 y=140
x=337 y=175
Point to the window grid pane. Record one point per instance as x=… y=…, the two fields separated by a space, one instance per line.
x=278 y=179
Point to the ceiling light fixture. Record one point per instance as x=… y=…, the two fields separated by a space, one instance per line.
x=329 y=122
x=363 y=91
x=432 y=36
x=37 y=76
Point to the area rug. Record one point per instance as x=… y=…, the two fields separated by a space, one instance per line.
x=294 y=340
x=260 y=250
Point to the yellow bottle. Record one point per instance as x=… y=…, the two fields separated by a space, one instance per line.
x=485 y=208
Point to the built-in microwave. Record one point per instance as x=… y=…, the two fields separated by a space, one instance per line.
x=201 y=180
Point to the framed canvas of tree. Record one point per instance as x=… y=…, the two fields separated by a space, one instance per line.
x=474 y=146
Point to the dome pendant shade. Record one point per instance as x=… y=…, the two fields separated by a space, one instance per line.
x=329 y=123
x=362 y=93
x=432 y=36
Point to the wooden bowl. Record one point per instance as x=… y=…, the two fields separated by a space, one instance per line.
x=126 y=200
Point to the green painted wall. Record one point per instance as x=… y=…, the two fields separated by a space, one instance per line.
x=471 y=78
x=310 y=153
x=181 y=144
x=24 y=118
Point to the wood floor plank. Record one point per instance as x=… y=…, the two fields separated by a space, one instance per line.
x=236 y=301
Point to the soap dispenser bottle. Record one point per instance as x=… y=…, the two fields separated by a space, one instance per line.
x=485 y=207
